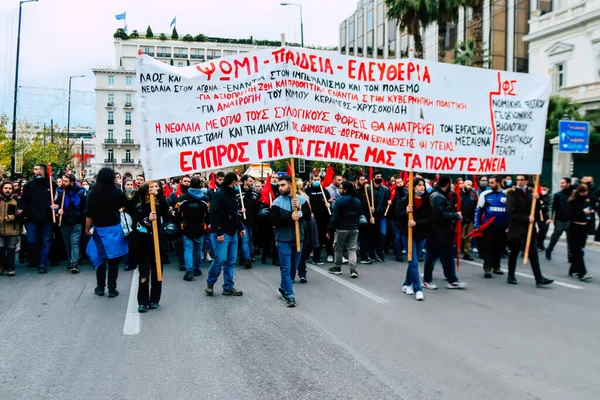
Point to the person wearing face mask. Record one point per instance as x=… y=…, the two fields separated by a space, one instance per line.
x=394 y=219
x=364 y=230
x=249 y=214
x=10 y=211
x=468 y=199
x=542 y=224
x=38 y=211
x=580 y=211
x=507 y=182
x=381 y=196
x=518 y=205
x=422 y=212
x=483 y=184
x=560 y=216
x=72 y=218
x=320 y=206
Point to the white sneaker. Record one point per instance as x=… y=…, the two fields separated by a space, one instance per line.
x=208 y=258
x=419 y=296
x=408 y=290
x=456 y=285
x=429 y=286
x=329 y=259
x=586 y=277
x=344 y=260
x=475 y=250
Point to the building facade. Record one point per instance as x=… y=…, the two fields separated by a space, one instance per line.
x=564 y=40
x=117 y=143
x=369 y=33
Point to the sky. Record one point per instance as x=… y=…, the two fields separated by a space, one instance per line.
x=62 y=38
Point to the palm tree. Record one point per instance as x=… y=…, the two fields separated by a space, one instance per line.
x=464 y=54
x=411 y=16
x=477 y=24
x=447 y=14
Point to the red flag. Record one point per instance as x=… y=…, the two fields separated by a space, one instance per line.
x=458 y=231
x=539 y=190
x=437 y=178
x=49 y=170
x=405 y=178
x=328 y=179
x=212 y=185
x=393 y=190
x=475 y=185
x=478 y=232
x=266 y=190
x=371 y=175
x=289 y=169
x=167 y=190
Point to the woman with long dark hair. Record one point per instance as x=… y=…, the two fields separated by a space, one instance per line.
x=422 y=212
x=580 y=210
x=107 y=243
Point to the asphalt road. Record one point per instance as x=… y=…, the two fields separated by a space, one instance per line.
x=347 y=339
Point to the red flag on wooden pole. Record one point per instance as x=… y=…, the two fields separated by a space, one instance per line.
x=475 y=185
x=289 y=169
x=458 y=232
x=328 y=179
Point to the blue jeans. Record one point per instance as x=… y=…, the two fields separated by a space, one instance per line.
x=289 y=258
x=38 y=237
x=192 y=253
x=225 y=253
x=247 y=246
x=381 y=228
x=396 y=237
x=412 y=270
x=71 y=236
x=208 y=243
x=445 y=253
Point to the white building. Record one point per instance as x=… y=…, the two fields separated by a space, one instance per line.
x=83 y=138
x=564 y=39
x=369 y=33
x=117 y=143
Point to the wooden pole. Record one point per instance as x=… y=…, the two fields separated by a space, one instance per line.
x=52 y=197
x=296 y=223
x=270 y=199
x=62 y=207
x=368 y=203
x=410 y=215
x=373 y=193
x=155 y=236
x=241 y=199
x=532 y=214
x=325 y=198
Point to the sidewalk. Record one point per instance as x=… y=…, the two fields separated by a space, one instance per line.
x=563 y=238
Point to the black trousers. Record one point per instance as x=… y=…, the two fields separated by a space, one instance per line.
x=148 y=293
x=367 y=238
x=542 y=233
x=515 y=250
x=113 y=274
x=322 y=224
x=577 y=239
x=492 y=246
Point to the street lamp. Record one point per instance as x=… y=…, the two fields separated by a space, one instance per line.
x=14 y=124
x=69 y=107
x=285 y=3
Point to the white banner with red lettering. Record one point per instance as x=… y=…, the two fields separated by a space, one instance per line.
x=401 y=114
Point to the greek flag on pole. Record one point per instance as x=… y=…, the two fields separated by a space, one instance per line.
x=120 y=17
x=125 y=29
x=173 y=22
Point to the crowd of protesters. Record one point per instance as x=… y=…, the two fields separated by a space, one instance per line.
x=217 y=222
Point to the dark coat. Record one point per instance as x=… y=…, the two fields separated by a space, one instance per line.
x=423 y=216
x=518 y=207
x=444 y=218
x=36 y=200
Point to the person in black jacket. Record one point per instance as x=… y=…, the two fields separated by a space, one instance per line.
x=367 y=252
x=226 y=223
x=468 y=204
x=148 y=296
x=581 y=211
x=440 y=240
x=421 y=224
x=518 y=206
x=344 y=228
x=320 y=206
x=560 y=215
x=393 y=220
x=37 y=202
x=132 y=199
x=381 y=196
x=71 y=214
x=249 y=214
x=543 y=223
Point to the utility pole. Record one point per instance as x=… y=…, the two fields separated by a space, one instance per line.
x=51 y=131
x=82 y=162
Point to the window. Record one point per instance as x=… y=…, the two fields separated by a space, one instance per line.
x=128 y=80
x=370 y=31
x=127 y=118
x=111 y=117
x=128 y=134
x=180 y=52
x=197 y=52
x=111 y=99
x=127 y=100
x=558 y=79
x=111 y=155
x=128 y=155
x=148 y=50
x=111 y=134
x=111 y=80
x=351 y=38
x=498 y=48
x=521 y=50
x=343 y=38
x=392 y=29
x=180 y=64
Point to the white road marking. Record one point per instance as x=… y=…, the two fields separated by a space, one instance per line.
x=558 y=283
x=132 y=317
x=357 y=289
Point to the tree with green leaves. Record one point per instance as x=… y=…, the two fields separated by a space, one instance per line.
x=149 y=33
x=477 y=23
x=447 y=14
x=162 y=37
x=121 y=34
x=464 y=54
x=200 y=38
x=134 y=34
x=174 y=34
x=412 y=15
x=188 y=38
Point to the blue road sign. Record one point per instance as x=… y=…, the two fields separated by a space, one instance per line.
x=573 y=136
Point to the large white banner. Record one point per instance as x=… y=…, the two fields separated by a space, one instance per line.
x=402 y=114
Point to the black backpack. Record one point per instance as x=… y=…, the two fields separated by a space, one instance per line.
x=192 y=214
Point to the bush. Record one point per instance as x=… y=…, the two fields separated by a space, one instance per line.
x=134 y=35
x=149 y=34
x=120 y=34
x=162 y=37
x=188 y=38
x=174 y=34
x=200 y=38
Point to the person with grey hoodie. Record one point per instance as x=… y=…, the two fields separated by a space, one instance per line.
x=191 y=210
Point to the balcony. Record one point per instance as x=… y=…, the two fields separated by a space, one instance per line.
x=127 y=141
x=110 y=141
x=211 y=57
x=163 y=55
x=127 y=161
x=128 y=122
x=179 y=55
x=111 y=121
x=149 y=53
x=197 y=56
x=109 y=161
x=584 y=93
x=110 y=104
x=128 y=106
